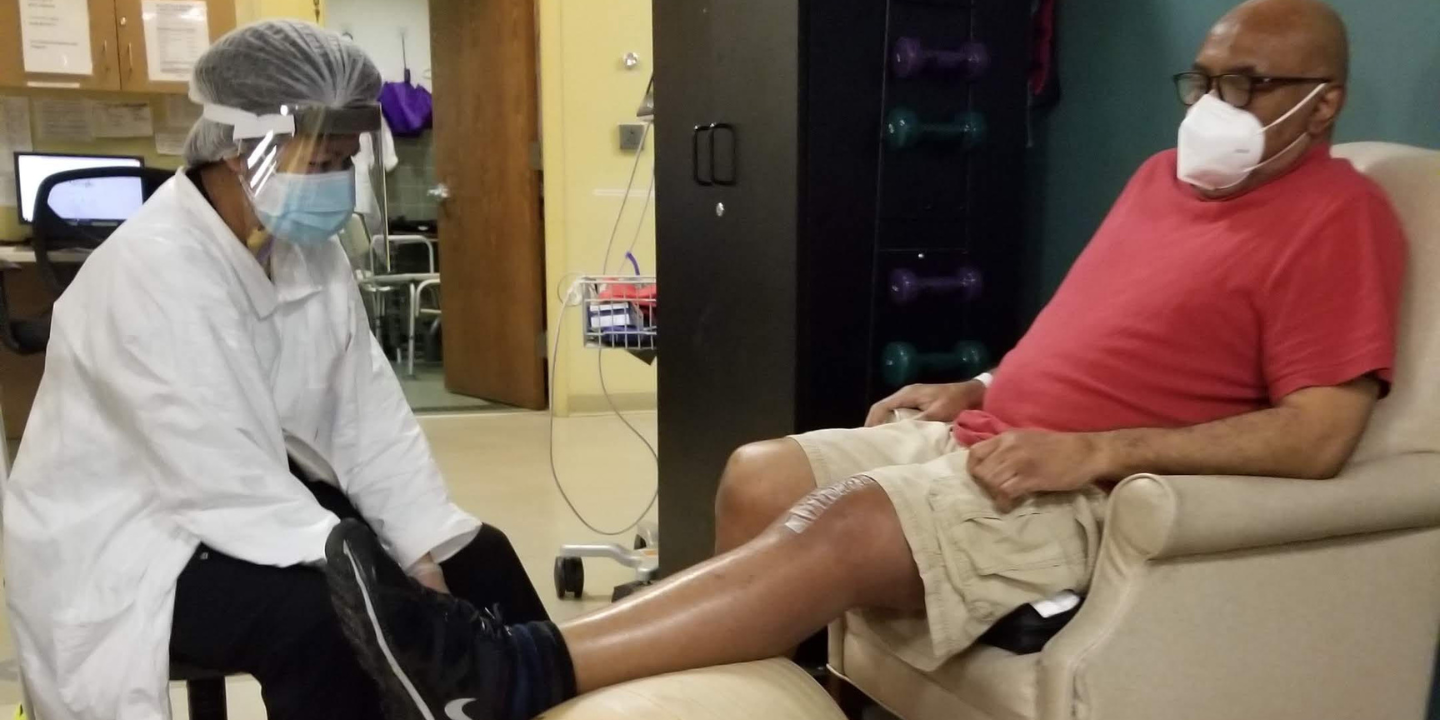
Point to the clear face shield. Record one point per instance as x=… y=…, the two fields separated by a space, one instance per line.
x=299 y=168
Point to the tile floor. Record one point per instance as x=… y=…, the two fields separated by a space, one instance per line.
x=498 y=468
x=426 y=392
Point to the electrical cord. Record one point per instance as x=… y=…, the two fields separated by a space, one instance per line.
x=625 y=200
x=570 y=299
x=640 y=225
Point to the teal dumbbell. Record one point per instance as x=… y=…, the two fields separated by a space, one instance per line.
x=903 y=129
x=901 y=364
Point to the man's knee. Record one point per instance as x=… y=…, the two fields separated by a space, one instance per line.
x=761 y=481
x=847 y=508
x=854 y=524
x=854 y=519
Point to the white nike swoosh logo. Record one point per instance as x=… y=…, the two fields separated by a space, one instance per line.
x=455 y=709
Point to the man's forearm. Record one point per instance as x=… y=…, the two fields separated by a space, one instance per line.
x=1277 y=442
x=1310 y=433
x=1259 y=443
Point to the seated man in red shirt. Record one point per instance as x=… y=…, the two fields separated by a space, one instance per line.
x=1235 y=314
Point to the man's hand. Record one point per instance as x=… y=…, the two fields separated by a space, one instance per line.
x=1017 y=464
x=935 y=402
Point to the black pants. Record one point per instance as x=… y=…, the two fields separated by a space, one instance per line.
x=277 y=623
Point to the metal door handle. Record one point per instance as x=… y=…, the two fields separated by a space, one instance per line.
x=130 y=58
x=727 y=127
x=440 y=192
x=105 y=57
x=695 y=155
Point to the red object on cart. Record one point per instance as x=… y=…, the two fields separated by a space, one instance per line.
x=643 y=297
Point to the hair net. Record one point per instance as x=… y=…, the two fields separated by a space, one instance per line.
x=259 y=67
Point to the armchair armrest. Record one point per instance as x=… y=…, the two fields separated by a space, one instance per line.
x=1166 y=517
x=1258 y=587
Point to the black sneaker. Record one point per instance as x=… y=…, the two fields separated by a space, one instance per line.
x=434 y=656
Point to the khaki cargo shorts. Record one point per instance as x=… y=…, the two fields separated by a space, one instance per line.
x=977 y=563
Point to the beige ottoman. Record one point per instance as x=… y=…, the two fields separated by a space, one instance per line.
x=766 y=690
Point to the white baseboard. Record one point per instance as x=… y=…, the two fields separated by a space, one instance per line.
x=625 y=402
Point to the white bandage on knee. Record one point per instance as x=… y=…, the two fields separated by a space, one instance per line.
x=807 y=511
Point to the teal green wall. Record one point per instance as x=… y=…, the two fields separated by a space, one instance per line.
x=1119 y=107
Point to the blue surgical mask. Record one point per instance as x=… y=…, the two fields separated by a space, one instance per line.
x=306 y=209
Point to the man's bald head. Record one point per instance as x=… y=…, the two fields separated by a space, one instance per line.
x=1297 y=55
x=1294 y=37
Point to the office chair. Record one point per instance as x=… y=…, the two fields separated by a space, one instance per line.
x=57 y=240
x=17 y=337
x=55 y=233
x=25 y=336
x=6 y=338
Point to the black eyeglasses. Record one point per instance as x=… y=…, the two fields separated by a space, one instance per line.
x=1235 y=88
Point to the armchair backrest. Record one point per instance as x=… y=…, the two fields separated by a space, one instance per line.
x=1409 y=419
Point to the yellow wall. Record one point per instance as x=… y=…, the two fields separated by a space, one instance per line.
x=585 y=93
x=247 y=11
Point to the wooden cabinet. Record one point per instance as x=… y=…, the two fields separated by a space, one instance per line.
x=117 y=47
x=130 y=30
x=104 y=52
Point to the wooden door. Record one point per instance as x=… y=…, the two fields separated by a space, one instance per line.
x=134 y=63
x=491 y=239
x=104 y=51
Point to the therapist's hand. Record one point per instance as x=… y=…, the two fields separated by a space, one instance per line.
x=941 y=403
x=427 y=572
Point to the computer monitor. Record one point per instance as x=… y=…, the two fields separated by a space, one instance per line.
x=99 y=201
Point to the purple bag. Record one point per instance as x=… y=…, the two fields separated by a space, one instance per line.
x=406 y=106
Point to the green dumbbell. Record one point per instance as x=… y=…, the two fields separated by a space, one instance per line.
x=903 y=129
x=901 y=364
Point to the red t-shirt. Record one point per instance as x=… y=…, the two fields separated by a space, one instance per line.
x=1184 y=310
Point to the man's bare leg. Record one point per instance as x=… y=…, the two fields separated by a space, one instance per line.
x=840 y=548
x=761 y=481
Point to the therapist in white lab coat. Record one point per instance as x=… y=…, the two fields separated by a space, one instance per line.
x=212 y=403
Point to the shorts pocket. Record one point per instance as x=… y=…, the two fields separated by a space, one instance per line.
x=1041 y=544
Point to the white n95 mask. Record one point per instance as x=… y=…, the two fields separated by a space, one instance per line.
x=1220 y=144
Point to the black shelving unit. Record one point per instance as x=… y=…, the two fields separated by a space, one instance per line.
x=781 y=212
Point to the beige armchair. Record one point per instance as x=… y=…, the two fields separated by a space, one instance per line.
x=1227 y=598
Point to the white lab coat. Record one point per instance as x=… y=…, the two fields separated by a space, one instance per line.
x=175 y=377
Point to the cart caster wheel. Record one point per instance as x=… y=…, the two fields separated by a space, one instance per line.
x=646 y=536
x=623 y=591
x=569 y=577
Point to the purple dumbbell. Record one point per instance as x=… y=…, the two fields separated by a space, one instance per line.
x=910 y=56
x=906 y=286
